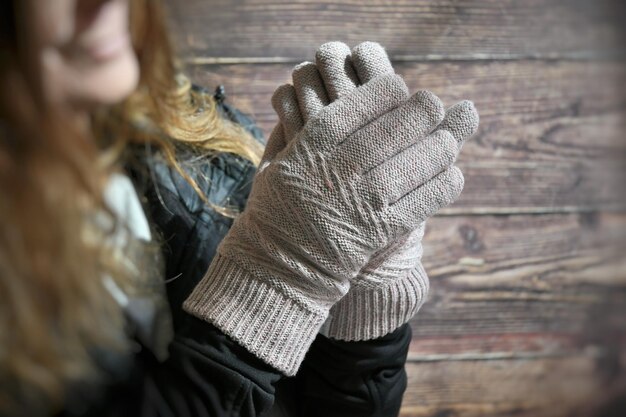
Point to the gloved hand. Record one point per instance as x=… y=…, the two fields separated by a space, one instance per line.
x=393 y=285
x=331 y=198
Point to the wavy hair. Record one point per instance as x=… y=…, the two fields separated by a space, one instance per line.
x=53 y=308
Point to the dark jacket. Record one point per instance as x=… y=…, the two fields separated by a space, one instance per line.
x=208 y=374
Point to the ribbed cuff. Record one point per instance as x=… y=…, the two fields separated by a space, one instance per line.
x=368 y=312
x=258 y=316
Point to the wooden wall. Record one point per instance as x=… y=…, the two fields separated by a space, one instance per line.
x=527 y=312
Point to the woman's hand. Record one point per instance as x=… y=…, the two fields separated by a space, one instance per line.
x=344 y=188
x=392 y=286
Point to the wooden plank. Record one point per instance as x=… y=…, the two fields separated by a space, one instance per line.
x=549 y=387
x=551 y=136
x=525 y=318
x=291 y=30
x=543 y=252
x=558 y=278
x=496 y=346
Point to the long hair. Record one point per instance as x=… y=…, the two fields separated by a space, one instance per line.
x=53 y=308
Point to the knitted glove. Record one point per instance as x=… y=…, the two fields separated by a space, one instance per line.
x=330 y=199
x=391 y=288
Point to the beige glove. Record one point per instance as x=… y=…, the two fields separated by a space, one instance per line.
x=336 y=194
x=393 y=285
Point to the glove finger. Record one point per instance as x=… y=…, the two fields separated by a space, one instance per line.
x=285 y=103
x=386 y=136
x=414 y=166
x=370 y=61
x=340 y=119
x=335 y=66
x=310 y=90
x=421 y=203
x=461 y=120
x=275 y=144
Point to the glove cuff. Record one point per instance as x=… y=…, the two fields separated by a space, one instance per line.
x=369 y=312
x=258 y=316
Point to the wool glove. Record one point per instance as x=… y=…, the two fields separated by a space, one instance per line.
x=336 y=194
x=393 y=285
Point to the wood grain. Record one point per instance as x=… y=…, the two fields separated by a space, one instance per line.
x=512 y=252
x=551 y=136
x=547 y=285
x=525 y=318
x=548 y=387
x=288 y=30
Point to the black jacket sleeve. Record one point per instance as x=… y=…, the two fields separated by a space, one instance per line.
x=364 y=379
x=207 y=374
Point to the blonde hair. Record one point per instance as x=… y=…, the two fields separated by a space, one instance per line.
x=53 y=308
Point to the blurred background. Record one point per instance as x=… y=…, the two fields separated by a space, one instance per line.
x=527 y=311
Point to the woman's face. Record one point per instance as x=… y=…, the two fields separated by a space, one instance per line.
x=87 y=57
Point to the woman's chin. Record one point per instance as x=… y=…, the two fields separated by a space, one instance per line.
x=107 y=83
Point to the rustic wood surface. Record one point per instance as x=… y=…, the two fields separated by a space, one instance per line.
x=554 y=386
x=265 y=30
x=520 y=274
x=527 y=310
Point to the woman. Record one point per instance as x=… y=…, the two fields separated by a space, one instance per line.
x=87 y=104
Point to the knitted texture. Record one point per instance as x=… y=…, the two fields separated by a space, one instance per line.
x=390 y=289
x=319 y=209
